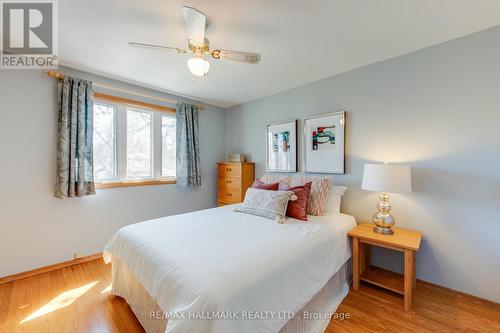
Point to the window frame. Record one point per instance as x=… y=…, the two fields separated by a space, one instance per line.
x=120 y=107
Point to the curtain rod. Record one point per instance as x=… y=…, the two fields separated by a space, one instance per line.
x=60 y=76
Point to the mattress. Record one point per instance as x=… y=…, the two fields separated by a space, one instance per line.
x=216 y=262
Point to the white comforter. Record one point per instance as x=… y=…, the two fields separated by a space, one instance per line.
x=219 y=262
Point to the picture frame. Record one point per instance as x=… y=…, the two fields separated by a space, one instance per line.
x=281 y=146
x=324 y=143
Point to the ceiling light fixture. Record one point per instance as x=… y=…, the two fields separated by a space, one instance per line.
x=198 y=66
x=199 y=45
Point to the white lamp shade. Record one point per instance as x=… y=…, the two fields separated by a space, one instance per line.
x=387 y=178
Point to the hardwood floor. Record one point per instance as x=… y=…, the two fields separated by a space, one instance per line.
x=77 y=299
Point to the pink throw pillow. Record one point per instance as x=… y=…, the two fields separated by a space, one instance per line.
x=298 y=208
x=263 y=186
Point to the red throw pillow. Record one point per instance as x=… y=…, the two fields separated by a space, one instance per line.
x=298 y=208
x=263 y=186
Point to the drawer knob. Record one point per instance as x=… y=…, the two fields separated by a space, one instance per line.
x=228 y=182
x=228 y=194
x=228 y=169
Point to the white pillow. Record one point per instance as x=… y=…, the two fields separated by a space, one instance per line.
x=334 y=200
x=320 y=189
x=270 y=204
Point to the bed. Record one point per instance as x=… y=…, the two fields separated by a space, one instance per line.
x=218 y=270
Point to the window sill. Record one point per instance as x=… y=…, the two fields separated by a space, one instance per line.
x=135 y=183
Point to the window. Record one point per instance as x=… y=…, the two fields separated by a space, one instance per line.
x=133 y=143
x=139 y=144
x=104 y=142
x=168 y=146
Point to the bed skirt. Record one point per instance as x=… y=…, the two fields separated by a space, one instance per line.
x=326 y=301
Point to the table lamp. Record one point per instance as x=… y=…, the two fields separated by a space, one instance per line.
x=385 y=178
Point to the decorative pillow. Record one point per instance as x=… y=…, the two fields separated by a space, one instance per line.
x=270 y=204
x=298 y=208
x=269 y=178
x=263 y=186
x=334 y=199
x=320 y=189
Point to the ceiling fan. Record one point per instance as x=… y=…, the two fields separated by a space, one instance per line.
x=199 y=46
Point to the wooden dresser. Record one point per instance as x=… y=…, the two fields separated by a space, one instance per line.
x=234 y=179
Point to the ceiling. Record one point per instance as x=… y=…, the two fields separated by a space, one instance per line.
x=300 y=41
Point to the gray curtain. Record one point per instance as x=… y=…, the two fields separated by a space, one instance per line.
x=188 y=146
x=75 y=174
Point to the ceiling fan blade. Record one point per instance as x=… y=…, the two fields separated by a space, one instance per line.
x=246 y=57
x=196 y=23
x=157 y=47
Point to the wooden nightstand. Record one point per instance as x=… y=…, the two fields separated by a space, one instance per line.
x=403 y=240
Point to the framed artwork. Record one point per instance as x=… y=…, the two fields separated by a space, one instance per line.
x=281 y=147
x=324 y=138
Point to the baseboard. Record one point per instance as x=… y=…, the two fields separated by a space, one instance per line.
x=447 y=289
x=45 y=269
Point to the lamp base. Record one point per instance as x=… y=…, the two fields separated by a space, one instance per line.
x=382 y=219
x=385 y=231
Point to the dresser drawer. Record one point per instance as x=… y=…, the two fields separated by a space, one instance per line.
x=228 y=170
x=229 y=195
x=230 y=183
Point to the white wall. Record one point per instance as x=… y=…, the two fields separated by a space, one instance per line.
x=437 y=109
x=37 y=229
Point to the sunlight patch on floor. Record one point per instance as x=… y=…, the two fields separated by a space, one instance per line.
x=106 y=290
x=62 y=300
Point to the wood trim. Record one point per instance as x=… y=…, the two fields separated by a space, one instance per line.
x=135 y=183
x=60 y=76
x=133 y=102
x=458 y=293
x=45 y=269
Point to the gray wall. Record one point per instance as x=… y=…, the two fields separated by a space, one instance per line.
x=39 y=230
x=437 y=109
